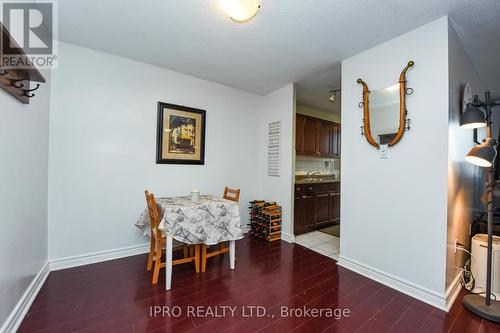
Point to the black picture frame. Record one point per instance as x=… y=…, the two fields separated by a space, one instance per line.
x=160 y=159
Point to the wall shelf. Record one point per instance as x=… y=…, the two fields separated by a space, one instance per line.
x=17 y=80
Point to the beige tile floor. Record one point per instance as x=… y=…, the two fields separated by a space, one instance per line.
x=320 y=242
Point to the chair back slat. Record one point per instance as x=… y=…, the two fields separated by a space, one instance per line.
x=232 y=194
x=150 y=211
x=154 y=217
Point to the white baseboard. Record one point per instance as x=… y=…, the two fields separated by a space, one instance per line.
x=453 y=291
x=287 y=237
x=92 y=258
x=406 y=287
x=17 y=315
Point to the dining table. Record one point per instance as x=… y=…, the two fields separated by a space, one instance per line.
x=209 y=220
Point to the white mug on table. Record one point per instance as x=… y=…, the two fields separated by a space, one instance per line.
x=195 y=195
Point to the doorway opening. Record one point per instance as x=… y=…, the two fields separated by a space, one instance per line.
x=317 y=220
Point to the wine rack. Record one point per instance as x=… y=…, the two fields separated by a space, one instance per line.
x=265 y=220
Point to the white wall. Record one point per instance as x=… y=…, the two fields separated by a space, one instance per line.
x=465 y=183
x=394 y=211
x=280 y=106
x=24 y=135
x=102 y=147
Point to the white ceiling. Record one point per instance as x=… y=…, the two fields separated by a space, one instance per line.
x=288 y=41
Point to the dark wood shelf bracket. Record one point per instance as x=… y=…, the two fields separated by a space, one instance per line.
x=17 y=80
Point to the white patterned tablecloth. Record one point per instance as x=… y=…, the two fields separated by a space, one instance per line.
x=209 y=221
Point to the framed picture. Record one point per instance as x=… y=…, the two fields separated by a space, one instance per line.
x=180 y=135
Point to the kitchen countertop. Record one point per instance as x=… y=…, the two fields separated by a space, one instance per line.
x=322 y=181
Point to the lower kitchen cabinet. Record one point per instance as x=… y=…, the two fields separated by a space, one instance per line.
x=316 y=206
x=322 y=208
x=304 y=214
x=335 y=206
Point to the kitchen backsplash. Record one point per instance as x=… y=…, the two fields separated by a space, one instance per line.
x=325 y=166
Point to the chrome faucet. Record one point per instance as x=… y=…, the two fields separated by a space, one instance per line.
x=309 y=174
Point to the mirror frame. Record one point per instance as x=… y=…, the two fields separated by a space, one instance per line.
x=402 y=109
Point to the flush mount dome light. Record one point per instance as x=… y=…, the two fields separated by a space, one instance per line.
x=240 y=10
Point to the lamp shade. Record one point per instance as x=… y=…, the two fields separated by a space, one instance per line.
x=473 y=117
x=484 y=154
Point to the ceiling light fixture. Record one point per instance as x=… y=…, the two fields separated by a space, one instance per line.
x=332 y=95
x=240 y=10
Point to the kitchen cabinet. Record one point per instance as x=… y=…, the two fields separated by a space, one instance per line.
x=299 y=137
x=324 y=138
x=309 y=211
x=317 y=137
x=334 y=206
x=335 y=139
x=322 y=208
x=305 y=209
x=316 y=206
x=338 y=139
x=298 y=216
x=310 y=136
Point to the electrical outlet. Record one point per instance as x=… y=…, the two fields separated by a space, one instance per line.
x=383 y=152
x=456 y=244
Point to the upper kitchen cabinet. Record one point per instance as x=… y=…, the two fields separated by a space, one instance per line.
x=317 y=137
x=299 y=137
x=310 y=137
x=335 y=139
x=324 y=138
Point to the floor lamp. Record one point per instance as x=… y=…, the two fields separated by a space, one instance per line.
x=484 y=156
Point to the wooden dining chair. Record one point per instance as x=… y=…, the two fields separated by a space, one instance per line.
x=232 y=195
x=158 y=241
x=185 y=247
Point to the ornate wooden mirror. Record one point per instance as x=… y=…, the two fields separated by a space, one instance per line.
x=385 y=122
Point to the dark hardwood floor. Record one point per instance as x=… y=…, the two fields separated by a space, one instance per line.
x=117 y=296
